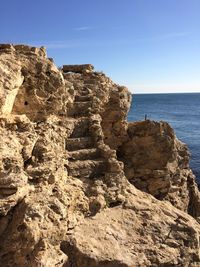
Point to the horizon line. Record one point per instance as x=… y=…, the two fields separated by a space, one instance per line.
x=162 y=93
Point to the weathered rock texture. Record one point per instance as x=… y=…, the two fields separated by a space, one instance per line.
x=81 y=187
x=156 y=162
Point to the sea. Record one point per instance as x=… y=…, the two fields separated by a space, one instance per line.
x=181 y=111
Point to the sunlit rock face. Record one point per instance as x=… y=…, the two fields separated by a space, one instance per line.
x=156 y=162
x=79 y=185
x=30 y=83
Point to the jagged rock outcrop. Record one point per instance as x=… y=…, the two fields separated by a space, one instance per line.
x=156 y=162
x=30 y=83
x=67 y=155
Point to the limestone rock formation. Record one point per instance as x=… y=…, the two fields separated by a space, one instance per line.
x=156 y=162
x=79 y=185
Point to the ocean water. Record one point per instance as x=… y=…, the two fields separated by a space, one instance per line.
x=181 y=111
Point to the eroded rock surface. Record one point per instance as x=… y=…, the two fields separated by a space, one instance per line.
x=81 y=187
x=156 y=162
x=155 y=235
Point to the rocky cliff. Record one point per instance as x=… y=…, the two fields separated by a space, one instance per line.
x=79 y=185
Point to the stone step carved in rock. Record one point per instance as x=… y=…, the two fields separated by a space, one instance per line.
x=73 y=144
x=79 y=109
x=81 y=128
x=84 y=154
x=86 y=168
x=83 y=98
x=84 y=91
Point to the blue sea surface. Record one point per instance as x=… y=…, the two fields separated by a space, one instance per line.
x=181 y=111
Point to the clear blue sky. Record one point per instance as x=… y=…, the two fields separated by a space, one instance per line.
x=148 y=45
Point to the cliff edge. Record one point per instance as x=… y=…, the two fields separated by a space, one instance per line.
x=79 y=185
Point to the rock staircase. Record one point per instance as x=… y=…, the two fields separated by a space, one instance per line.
x=84 y=158
x=88 y=156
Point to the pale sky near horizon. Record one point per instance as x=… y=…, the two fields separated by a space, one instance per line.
x=151 y=46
